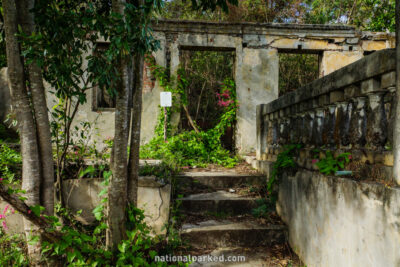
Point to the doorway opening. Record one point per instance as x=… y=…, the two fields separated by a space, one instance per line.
x=206 y=72
x=297 y=69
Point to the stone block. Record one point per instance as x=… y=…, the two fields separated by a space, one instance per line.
x=370 y=86
x=351 y=91
x=336 y=96
x=388 y=80
x=352 y=40
x=323 y=100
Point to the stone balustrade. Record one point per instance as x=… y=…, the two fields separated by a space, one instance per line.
x=351 y=109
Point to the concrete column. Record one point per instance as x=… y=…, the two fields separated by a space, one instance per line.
x=329 y=126
x=308 y=127
x=341 y=123
x=391 y=113
x=317 y=127
x=376 y=121
x=358 y=123
x=282 y=131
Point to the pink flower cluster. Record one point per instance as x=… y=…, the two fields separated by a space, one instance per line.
x=7 y=210
x=223 y=99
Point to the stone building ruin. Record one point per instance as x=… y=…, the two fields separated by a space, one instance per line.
x=256 y=69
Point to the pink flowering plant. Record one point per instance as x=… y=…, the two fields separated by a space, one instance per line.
x=4 y=214
x=227 y=96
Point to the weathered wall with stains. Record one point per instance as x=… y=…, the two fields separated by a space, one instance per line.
x=340 y=222
x=83 y=195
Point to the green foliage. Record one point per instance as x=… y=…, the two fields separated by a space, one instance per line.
x=330 y=164
x=205 y=72
x=189 y=148
x=284 y=162
x=373 y=15
x=12 y=250
x=297 y=70
x=10 y=162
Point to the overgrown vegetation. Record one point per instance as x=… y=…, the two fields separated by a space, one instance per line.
x=331 y=164
x=12 y=250
x=191 y=147
x=80 y=245
x=10 y=163
x=269 y=191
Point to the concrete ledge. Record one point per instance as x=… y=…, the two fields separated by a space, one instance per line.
x=82 y=194
x=340 y=222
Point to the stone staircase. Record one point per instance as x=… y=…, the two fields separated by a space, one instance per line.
x=217 y=220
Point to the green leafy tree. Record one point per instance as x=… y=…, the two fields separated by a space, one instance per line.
x=52 y=40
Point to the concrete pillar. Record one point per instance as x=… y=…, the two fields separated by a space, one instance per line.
x=358 y=123
x=341 y=123
x=376 y=122
x=329 y=126
x=317 y=127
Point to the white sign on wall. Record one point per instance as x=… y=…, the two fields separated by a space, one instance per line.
x=166 y=99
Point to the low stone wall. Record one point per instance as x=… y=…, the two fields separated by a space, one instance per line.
x=349 y=110
x=82 y=194
x=341 y=222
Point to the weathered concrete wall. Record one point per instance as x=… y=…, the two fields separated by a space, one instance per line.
x=256 y=79
x=103 y=119
x=334 y=60
x=83 y=194
x=340 y=222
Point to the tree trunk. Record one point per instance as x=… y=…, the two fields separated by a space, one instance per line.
x=396 y=128
x=133 y=166
x=41 y=115
x=42 y=224
x=117 y=191
x=21 y=105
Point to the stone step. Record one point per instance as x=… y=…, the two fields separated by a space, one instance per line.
x=277 y=255
x=220 y=202
x=220 y=234
x=218 y=180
